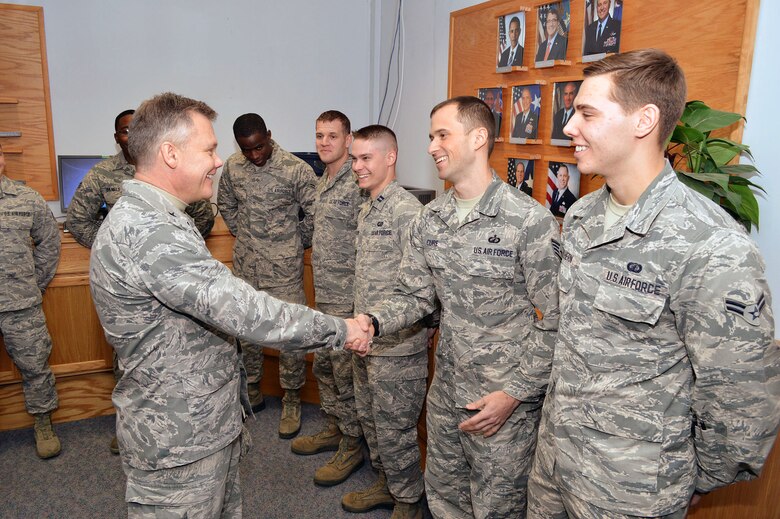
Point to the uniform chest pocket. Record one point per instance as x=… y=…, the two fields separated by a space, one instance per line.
x=629 y=305
x=18 y=223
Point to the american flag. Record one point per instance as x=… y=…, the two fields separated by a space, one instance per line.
x=552 y=180
x=517 y=107
x=511 y=172
x=502 y=43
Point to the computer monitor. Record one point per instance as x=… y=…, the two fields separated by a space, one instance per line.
x=312 y=159
x=72 y=169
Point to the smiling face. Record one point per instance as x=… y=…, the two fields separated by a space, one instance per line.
x=551 y=25
x=569 y=93
x=602 y=9
x=332 y=141
x=563 y=178
x=257 y=148
x=525 y=99
x=197 y=162
x=601 y=131
x=121 y=134
x=372 y=161
x=450 y=145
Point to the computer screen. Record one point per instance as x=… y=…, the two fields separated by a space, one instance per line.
x=312 y=159
x=72 y=169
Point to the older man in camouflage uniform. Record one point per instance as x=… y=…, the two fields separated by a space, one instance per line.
x=261 y=191
x=102 y=186
x=390 y=382
x=666 y=380
x=29 y=254
x=169 y=308
x=488 y=253
x=336 y=203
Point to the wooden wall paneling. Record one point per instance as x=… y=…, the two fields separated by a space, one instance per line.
x=24 y=83
x=712 y=41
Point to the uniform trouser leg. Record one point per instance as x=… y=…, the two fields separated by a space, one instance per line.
x=28 y=343
x=252 y=356
x=397 y=387
x=205 y=489
x=364 y=407
x=447 y=484
x=333 y=371
x=292 y=365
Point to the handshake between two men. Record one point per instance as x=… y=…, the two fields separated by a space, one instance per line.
x=360 y=335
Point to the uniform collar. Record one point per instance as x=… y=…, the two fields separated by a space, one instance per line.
x=642 y=214
x=346 y=169
x=388 y=192
x=152 y=195
x=8 y=186
x=488 y=205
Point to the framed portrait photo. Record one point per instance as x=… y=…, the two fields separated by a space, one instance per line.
x=601 y=30
x=526 y=107
x=511 y=41
x=552 y=23
x=520 y=174
x=563 y=110
x=563 y=187
x=494 y=98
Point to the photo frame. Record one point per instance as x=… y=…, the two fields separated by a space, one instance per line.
x=564 y=93
x=526 y=107
x=511 y=42
x=520 y=174
x=563 y=187
x=552 y=23
x=601 y=29
x=494 y=98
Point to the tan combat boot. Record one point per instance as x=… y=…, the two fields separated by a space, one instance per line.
x=291 y=414
x=407 y=510
x=47 y=445
x=256 y=400
x=326 y=440
x=347 y=460
x=375 y=496
x=114 y=447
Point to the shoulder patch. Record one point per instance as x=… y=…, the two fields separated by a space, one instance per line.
x=748 y=311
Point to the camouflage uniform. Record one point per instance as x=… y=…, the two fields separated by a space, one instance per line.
x=337 y=204
x=390 y=382
x=103 y=185
x=25 y=271
x=666 y=378
x=260 y=207
x=489 y=272
x=167 y=307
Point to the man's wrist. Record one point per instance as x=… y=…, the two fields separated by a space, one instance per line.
x=374 y=323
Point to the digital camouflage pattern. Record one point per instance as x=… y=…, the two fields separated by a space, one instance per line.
x=489 y=272
x=167 y=308
x=103 y=185
x=390 y=383
x=260 y=206
x=337 y=202
x=666 y=376
x=29 y=255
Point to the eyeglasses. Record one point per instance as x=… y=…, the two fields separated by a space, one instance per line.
x=124 y=131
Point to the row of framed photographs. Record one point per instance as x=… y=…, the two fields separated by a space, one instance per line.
x=526 y=109
x=600 y=34
x=561 y=183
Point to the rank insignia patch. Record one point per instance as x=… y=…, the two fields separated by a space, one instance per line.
x=750 y=312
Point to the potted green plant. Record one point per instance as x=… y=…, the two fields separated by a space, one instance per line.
x=702 y=161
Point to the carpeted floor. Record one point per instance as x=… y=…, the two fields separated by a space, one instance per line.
x=86 y=480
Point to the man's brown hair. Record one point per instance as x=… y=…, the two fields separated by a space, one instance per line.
x=335 y=115
x=646 y=76
x=472 y=113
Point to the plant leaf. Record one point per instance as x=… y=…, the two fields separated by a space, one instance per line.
x=720 y=179
x=748 y=206
x=706 y=119
x=708 y=190
x=686 y=135
x=722 y=153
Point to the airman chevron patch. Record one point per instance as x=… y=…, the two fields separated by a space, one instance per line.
x=750 y=312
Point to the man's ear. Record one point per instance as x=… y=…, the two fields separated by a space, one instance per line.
x=391 y=157
x=648 y=119
x=170 y=154
x=480 y=137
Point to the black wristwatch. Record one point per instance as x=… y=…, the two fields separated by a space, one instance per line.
x=375 y=324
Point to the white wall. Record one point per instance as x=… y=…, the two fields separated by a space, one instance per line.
x=762 y=115
x=288 y=61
